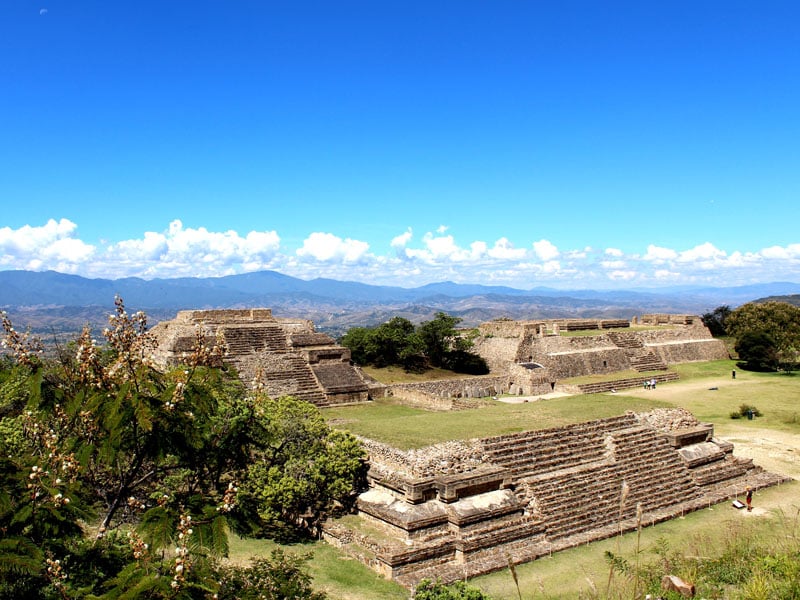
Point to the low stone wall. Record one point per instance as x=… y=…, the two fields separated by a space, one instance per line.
x=692 y=351
x=439 y=393
x=447 y=458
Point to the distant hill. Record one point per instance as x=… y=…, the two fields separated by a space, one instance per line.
x=790 y=299
x=58 y=304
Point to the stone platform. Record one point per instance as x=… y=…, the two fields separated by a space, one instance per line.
x=463 y=509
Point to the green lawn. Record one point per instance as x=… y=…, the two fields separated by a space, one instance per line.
x=406 y=427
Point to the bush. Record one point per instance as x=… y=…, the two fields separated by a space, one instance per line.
x=744 y=409
x=280 y=576
x=429 y=590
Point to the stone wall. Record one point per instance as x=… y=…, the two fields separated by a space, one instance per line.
x=468 y=387
x=443 y=394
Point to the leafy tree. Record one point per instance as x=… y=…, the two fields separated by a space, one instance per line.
x=779 y=320
x=302 y=470
x=446 y=347
x=716 y=320
x=439 y=336
x=359 y=340
x=101 y=441
x=434 y=343
x=757 y=351
x=429 y=590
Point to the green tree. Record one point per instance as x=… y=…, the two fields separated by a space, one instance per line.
x=392 y=341
x=359 y=340
x=757 y=351
x=439 y=336
x=716 y=320
x=302 y=470
x=779 y=320
x=434 y=343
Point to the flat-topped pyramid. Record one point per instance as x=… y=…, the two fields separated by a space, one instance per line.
x=285 y=356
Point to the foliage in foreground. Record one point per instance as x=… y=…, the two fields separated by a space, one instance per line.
x=746 y=567
x=120 y=480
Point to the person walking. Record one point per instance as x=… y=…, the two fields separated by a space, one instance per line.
x=749 y=499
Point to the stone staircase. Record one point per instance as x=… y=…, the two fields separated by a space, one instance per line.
x=621 y=384
x=282 y=372
x=577 y=499
x=647 y=362
x=340 y=379
x=641 y=359
x=256 y=338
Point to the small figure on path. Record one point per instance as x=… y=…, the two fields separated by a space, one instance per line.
x=749 y=499
x=733 y=374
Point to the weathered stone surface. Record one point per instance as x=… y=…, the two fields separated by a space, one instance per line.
x=466 y=508
x=676 y=338
x=283 y=356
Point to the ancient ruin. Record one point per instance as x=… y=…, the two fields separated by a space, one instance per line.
x=285 y=356
x=467 y=508
x=536 y=356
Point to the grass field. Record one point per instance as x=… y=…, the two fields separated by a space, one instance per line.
x=706 y=389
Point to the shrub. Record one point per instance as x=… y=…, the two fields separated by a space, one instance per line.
x=744 y=409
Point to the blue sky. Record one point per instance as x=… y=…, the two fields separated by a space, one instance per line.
x=570 y=144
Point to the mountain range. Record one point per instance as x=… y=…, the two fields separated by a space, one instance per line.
x=52 y=302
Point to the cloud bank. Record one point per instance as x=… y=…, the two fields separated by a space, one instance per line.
x=407 y=260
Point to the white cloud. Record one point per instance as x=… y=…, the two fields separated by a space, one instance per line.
x=622 y=275
x=51 y=246
x=505 y=250
x=703 y=252
x=402 y=240
x=436 y=256
x=613 y=264
x=551 y=266
x=326 y=247
x=545 y=250
x=792 y=251
x=184 y=251
x=658 y=254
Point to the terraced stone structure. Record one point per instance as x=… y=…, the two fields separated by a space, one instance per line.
x=285 y=356
x=463 y=509
x=534 y=353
